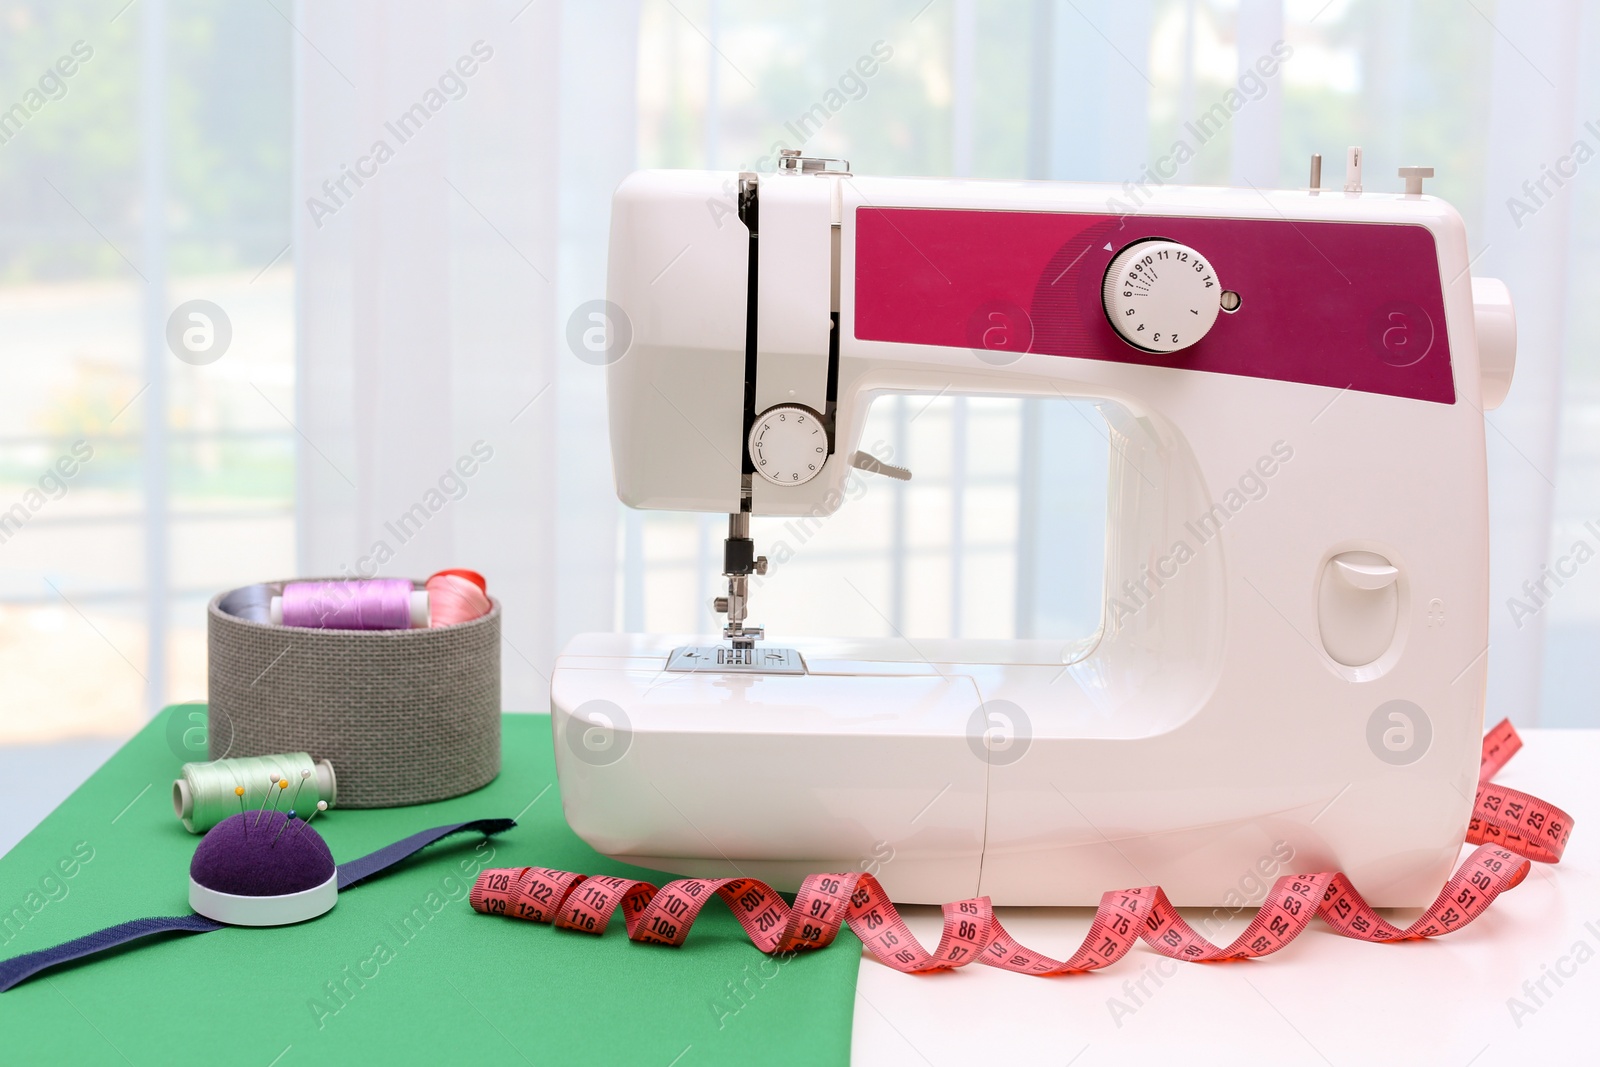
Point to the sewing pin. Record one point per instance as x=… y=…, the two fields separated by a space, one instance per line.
x=304 y=774
x=238 y=791
x=263 y=808
x=283 y=783
x=282 y=828
x=322 y=805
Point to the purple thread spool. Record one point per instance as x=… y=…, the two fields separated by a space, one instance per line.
x=373 y=604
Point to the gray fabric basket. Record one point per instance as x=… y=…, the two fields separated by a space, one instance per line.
x=405 y=716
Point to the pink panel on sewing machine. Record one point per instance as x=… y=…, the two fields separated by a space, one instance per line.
x=1346 y=305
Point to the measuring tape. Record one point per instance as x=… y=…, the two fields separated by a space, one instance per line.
x=1510 y=828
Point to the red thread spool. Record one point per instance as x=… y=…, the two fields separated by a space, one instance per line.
x=472 y=576
x=455 y=596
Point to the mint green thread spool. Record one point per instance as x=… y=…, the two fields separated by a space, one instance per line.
x=204 y=795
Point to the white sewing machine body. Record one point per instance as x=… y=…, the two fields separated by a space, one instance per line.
x=1297 y=537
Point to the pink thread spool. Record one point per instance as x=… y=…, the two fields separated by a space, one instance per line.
x=457 y=596
x=372 y=604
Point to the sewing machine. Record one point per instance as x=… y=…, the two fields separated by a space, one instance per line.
x=1290 y=672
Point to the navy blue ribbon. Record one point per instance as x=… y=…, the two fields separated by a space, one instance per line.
x=360 y=870
x=19 y=969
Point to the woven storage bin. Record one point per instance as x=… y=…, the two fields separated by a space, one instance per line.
x=405 y=716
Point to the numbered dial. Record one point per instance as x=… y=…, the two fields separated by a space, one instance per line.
x=788 y=445
x=1161 y=296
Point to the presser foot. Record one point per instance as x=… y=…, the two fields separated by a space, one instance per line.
x=739 y=562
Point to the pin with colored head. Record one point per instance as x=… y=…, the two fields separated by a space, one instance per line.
x=295 y=800
x=238 y=791
x=322 y=805
x=272 y=781
x=284 y=827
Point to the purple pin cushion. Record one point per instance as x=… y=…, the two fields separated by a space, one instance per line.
x=261 y=868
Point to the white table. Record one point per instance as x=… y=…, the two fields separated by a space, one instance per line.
x=1323 y=1000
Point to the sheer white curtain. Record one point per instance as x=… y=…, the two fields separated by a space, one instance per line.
x=429 y=394
x=1532 y=122
x=598 y=145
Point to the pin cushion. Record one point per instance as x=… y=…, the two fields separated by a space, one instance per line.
x=261 y=868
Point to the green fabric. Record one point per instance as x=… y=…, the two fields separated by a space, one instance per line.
x=455 y=984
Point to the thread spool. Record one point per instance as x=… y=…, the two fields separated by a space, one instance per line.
x=251 y=602
x=207 y=793
x=370 y=604
x=455 y=596
x=472 y=576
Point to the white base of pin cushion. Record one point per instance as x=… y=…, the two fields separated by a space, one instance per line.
x=265 y=911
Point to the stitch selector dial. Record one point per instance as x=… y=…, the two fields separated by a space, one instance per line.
x=788 y=445
x=1161 y=296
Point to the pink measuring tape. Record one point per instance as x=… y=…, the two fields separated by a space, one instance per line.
x=1510 y=828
